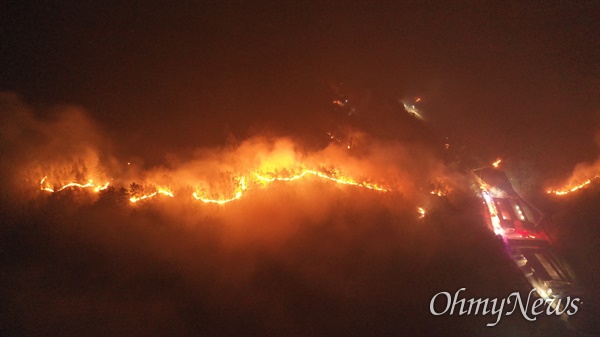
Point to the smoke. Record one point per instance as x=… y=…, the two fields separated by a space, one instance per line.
x=65 y=146
x=302 y=257
x=583 y=172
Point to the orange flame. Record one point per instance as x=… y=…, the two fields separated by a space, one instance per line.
x=570 y=189
x=339 y=180
x=239 y=191
x=101 y=188
x=238 y=194
x=438 y=192
x=497 y=163
x=159 y=190
x=48 y=189
x=421 y=212
x=89 y=184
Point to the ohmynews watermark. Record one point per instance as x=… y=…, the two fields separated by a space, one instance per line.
x=498 y=307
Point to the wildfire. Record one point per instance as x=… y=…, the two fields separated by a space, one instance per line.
x=573 y=188
x=238 y=194
x=239 y=190
x=421 y=212
x=339 y=180
x=101 y=188
x=497 y=163
x=438 y=192
x=90 y=183
x=159 y=190
x=48 y=189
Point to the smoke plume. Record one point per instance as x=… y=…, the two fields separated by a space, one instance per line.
x=310 y=256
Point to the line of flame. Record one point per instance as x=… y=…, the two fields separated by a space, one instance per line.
x=160 y=190
x=344 y=181
x=574 y=188
x=89 y=184
x=147 y=196
x=101 y=188
x=239 y=192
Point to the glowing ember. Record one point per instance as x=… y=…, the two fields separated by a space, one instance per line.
x=570 y=189
x=421 y=212
x=497 y=163
x=438 y=192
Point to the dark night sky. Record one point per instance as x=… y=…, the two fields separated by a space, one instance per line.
x=513 y=77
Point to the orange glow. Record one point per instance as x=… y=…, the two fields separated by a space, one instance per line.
x=48 y=189
x=268 y=176
x=159 y=190
x=101 y=188
x=89 y=184
x=567 y=190
x=339 y=180
x=438 y=192
x=497 y=162
x=147 y=196
x=165 y=191
x=242 y=187
x=239 y=191
x=421 y=212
